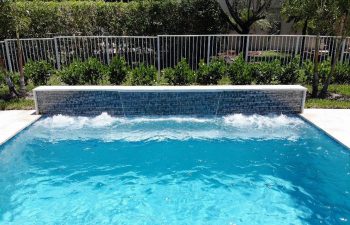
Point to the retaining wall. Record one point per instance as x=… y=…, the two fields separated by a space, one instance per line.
x=169 y=100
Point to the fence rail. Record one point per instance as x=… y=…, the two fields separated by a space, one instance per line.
x=167 y=50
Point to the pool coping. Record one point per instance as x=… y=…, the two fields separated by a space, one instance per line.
x=216 y=88
x=334 y=125
x=17 y=121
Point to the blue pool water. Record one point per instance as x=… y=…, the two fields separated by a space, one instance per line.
x=174 y=170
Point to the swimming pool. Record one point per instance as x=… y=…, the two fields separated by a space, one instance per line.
x=235 y=169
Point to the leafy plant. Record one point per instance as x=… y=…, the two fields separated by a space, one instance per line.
x=240 y=72
x=182 y=74
x=90 y=72
x=342 y=74
x=118 y=70
x=308 y=70
x=291 y=73
x=212 y=73
x=38 y=71
x=72 y=75
x=267 y=72
x=94 y=71
x=225 y=80
x=143 y=75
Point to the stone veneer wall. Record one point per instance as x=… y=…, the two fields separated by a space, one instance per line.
x=198 y=102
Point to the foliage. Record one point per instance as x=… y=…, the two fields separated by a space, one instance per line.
x=79 y=73
x=243 y=14
x=291 y=73
x=267 y=72
x=142 y=75
x=342 y=73
x=225 y=80
x=182 y=74
x=38 y=71
x=72 y=74
x=240 y=72
x=149 y=17
x=118 y=70
x=94 y=71
x=212 y=73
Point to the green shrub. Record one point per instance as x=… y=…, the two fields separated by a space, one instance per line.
x=291 y=73
x=2 y=79
x=182 y=74
x=308 y=71
x=118 y=70
x=143 y=75
x=38 y=72
x=212 y=73
x=342 y=74
x=267 y=72
x=225 y=80
x=72 y=74
x=94 y=71
x=240 y=72
x=134 y=18
x=90 y=72
x=324 y=69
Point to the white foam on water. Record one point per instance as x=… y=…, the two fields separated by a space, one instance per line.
x=107 y=128
x=261 y=122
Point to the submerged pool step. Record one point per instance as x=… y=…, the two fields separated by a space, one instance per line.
x=169 y=100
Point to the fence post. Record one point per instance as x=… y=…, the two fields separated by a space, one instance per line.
x=247 y=49
x=208 y=58
x=107 y=51
x=342 y=51
x=58 y=59
x=297 y=46
x=7 y=49
x=158 y=57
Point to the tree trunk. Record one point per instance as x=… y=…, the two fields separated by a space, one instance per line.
x=22 y=83
x=244 y=43
x=336 y=55
x=304 y=32
x=11 y=86
x=315 y=79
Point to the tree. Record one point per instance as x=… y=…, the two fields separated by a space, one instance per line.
x=341 y=29
x=21 y=21
x=319 y=17
x=299 y=12
x=243 y=14
x=9 y=82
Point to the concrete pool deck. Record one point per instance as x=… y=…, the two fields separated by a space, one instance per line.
x=335 y=122
x=14 y=121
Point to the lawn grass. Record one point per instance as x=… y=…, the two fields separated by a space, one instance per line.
x=17 y=104
x=341 y=89
x=327 y=104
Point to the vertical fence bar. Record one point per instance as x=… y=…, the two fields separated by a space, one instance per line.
x=342 y=51
x=107 y=50
x=247 y=49
x=208 y=58
x=9 y=63
x=158 y=57
x=58 y=60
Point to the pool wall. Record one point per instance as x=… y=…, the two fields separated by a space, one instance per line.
x=166 y=100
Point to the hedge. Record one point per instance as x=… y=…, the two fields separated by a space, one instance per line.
x=155 y=17
x=93 y=72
